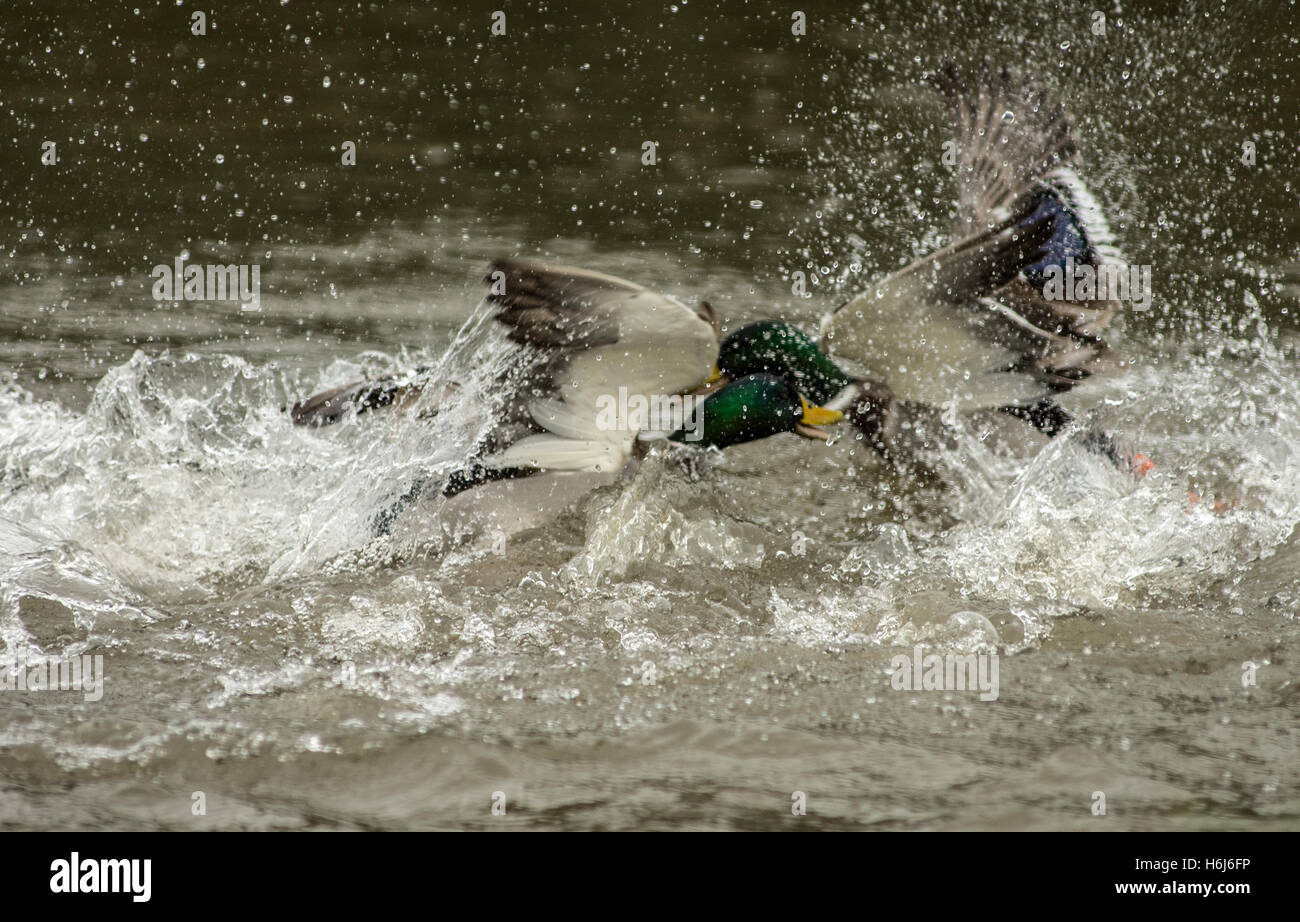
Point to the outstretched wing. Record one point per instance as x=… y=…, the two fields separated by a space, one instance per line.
x=970 y=325
x=930 y=332
x=1009 y=136
x=605 y=341
x=1017 y=149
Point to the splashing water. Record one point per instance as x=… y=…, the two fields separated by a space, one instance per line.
x=686 y=646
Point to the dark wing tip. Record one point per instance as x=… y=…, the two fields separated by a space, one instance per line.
x=549 y=306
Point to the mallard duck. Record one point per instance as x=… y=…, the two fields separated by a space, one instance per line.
x=590 y=342
x=970 y=326
x=603 y=337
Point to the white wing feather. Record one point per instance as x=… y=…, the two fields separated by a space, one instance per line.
x=660 y=348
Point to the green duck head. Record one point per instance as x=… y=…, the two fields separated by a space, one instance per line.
x=754 y=407
x=773 y=348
